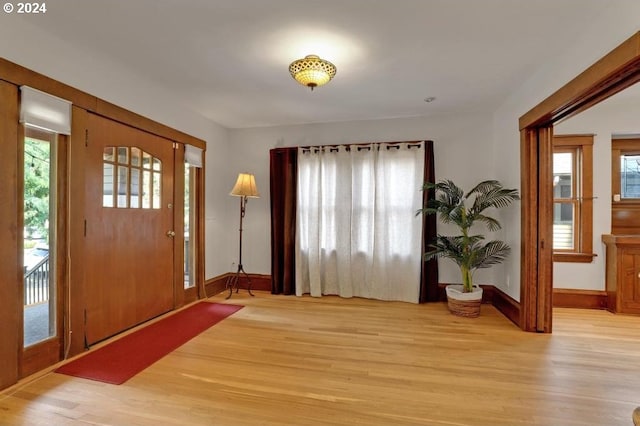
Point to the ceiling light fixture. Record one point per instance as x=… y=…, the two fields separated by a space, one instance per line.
x=311 y=71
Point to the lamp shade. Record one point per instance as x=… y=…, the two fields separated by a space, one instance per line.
x=311 y=71
x=245 y=186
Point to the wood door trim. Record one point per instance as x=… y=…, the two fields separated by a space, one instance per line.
x=19 y=75
x=10 y=247
x=616 y=71
x=529 y=229
x=178 y=227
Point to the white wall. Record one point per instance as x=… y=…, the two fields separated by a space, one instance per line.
x=462 y=150
x=618 y=23
x=614 y=116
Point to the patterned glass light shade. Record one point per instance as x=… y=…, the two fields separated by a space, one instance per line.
x=245 y=186
x=311 y=71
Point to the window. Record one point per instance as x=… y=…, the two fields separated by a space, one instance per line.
x=131 y=178
x=625 y=185
x=357 y=234
x=573 y=198
x=189 y=220
x=39 y=244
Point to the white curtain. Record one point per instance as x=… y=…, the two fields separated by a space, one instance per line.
x=357 y=233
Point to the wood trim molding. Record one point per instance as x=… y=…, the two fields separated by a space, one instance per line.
x=614 y=72
x=10 y=249
x=129 y=118
x=583 y=299
x=19 y=75
x=216 y=285
x=573 y=257
x=509 y=307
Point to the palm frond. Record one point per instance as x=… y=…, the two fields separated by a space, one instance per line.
x=491 y=223
x=446 y=246
x=483 y=187
x=496 y=197
x=492 y=253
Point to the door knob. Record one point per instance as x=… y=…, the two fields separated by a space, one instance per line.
x=171 y=234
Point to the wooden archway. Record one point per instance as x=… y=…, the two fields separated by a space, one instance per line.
x=616 y=71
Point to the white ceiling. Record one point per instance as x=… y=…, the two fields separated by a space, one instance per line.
x=228 y=60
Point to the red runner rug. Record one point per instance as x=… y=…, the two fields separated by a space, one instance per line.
x=118 y=361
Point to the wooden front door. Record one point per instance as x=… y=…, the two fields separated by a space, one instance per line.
x=129 y=262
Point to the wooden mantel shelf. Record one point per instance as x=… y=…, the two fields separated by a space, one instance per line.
x=627 y=239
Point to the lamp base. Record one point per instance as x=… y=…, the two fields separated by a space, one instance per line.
x=233 y=280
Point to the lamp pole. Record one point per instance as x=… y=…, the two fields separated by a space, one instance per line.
x=233 y=281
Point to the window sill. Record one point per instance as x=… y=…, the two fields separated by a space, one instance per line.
x=573 y=257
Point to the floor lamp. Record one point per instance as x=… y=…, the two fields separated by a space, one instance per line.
x=244 y=188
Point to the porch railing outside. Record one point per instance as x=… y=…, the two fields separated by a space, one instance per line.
x=36 y=283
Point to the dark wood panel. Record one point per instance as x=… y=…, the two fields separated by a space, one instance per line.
x=630 y=281
x=583 y=299
x=623 y=273
x=10 y=264
x=625 y=218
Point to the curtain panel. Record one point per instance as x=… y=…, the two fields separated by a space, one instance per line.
x=284 y=180
x=429 y=290
x=357 y=234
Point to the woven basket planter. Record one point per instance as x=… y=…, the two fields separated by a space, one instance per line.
x=464 y=304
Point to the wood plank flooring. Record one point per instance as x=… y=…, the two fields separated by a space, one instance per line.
x=331 y=361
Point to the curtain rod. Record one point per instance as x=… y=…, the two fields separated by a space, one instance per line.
x=361 y=146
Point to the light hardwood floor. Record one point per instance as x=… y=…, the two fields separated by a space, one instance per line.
x=330 y=361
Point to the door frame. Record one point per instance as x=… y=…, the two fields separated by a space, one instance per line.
x=614 y=72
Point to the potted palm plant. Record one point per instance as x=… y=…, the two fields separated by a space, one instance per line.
x=469 y=251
